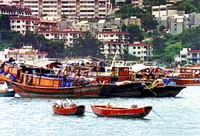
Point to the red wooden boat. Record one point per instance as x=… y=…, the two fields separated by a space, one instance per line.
x=186 y=75
x=57 y=92
x=135 y=112
x=74 y=110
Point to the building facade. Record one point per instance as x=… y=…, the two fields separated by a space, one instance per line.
x=188 y=55
x=23 y=24
x=113 y=42
x=68 y=37
x=142 y=51
x=82 y=9
x=14 y=10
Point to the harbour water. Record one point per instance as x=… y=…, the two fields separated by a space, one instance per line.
x=178 y=116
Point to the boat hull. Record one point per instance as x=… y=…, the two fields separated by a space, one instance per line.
x=76 y=110
x=92 y=91
x=187 y=81
x=102 y=110
x=162 y=91
x=129 y=89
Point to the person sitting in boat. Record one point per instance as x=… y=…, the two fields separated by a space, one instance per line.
x=68 y=103
x=134 y=106
x=58 y=104
x=157 y=82
x=109 y=105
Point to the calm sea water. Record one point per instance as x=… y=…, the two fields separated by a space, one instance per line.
x=178 y=116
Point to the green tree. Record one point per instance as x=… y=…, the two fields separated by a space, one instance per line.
x=129 y=57
x=135 y=32
x=186 y=6
x=171 y=51
x=149 y=3
x=191 y=38
x=126 y=11
x=148 y=22
x=87 y=46
x=159 y=45
x=4 y=22
x=55 y=49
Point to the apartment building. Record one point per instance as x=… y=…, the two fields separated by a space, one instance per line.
x=174 y=21
x=14 y=10
x=141 y=50
x=114 y=43
x=68 y=37
x=179 y=22
x=22 y=24
x=188 y=55
x=83 y=9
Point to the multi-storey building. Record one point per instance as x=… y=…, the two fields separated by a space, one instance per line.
x=188 y=55
x=114 y=42
x=23 y=24
x=179 y=22
x=141 y=50
x=68 y=37
x=14 y=10
x=48 y=25
x=174 y=21
x=71 y=8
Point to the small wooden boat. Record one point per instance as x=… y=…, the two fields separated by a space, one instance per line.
x=107 y=111
x=74 y=110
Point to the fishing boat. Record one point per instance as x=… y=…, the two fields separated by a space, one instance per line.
x=186 y=75
x=67 y=107
x=123 y=89
x=162 y=91
x=88 y=91
x=140 y=89
x=161 y=88
x=109 y=111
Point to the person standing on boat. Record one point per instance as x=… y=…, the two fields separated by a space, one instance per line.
x=133 y=75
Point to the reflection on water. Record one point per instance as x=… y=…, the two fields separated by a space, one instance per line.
x=172 y=116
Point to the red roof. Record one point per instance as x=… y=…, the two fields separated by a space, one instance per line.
x=193 y=51
x=115 y=42
x=113 y=33
x=24 y=18
x=140 y=44
x=42 y=53
x=63 y=32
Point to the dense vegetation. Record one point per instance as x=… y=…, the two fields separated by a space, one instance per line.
x=88 y=45
x=165 y=46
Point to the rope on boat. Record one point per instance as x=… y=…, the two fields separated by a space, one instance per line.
x=158 y=115
x=155 y=94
